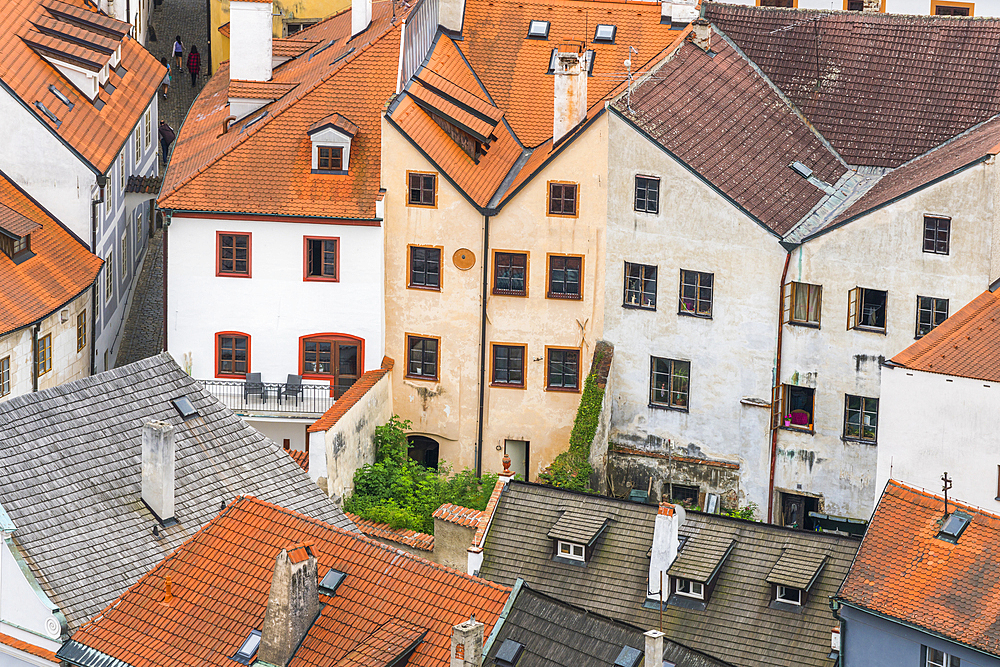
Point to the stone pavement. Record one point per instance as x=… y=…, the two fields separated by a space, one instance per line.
x=143 y=336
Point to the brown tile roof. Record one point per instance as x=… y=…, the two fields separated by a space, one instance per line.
x=300 y=457
x=904 y=571
x=350 y=397
x=149 y=185
x=28 y=648
x=262 y=164
x=888 y=87
x=220 y=580
x=462 y=516
x=96 y=134
x=385 y=532
x=724 y=120
x=61 y=268
x=337 y=122
x=967 y=344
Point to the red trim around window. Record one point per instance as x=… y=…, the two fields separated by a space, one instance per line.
x=305 y=260
x=215 y=360
x=346 y=337
x=218 y=255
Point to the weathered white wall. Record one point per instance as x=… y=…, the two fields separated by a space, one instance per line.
x=932 y=424
x=279 y=430
x=731 y=354
x=26 y=613
x=275 y=306
x=250 y=40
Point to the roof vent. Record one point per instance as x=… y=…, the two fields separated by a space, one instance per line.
x=248 y=649
x=628 y=657
x=539 y=30
x=801 y=169
x=953 y=527
x=48 y=114
x=331 y=580
x=508 y=653
x=605 y=33
x=62 y=98
x=185 y=408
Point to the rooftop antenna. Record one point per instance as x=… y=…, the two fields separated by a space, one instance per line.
x=628 y=74
x=947 y=485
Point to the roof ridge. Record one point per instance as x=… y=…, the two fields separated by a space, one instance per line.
x=933 y=496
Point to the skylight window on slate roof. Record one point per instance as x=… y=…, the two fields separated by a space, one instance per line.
x=954 y=526
x=628 y=657
x=539 y=30
x=605 y=33
x=331 y=581
x=185 y=408
x=509 y=653
x=248 y=649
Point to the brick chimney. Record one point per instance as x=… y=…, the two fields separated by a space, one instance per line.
x=570 y=88
x=361 y=16
x=666 y=541
x=701 y=34
x=158 y=470
x=467 y=644
x=292 y=605
x=654 y=647
x=250 y=40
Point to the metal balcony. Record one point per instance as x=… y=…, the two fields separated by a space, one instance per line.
x=265 y=399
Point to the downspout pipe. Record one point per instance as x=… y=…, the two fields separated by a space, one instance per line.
x=835 y=609
x=482 y=345
x=35 y=328
x=777 y=380
x=102 y=182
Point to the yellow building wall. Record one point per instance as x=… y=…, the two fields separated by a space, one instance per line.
x=447 y=410
x=283 y=11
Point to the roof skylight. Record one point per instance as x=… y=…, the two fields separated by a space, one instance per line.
x=539 y=29
x=62 y=98
x=629 y=657
x=509 y=652
x=45 y=110
x=331 y=580
x=605 y=33
x=185 y=408
x=248 y=649
x=953 y=526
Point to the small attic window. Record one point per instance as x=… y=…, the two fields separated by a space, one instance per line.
x=628 y=657
x=509 y=653
x=331 y=581
x=788 y=595
x=605 y=33
x=185 y=408
x=954 y=526
x=538 y=30
x=254 y=121
x=331 y=139
x=571 y=550
x=248 y=649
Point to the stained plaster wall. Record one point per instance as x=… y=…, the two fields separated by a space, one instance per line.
x=882 y=251
x=447 y=410
x=451 y=544
x=655 y=475
x=731 y=354
x=26 y=613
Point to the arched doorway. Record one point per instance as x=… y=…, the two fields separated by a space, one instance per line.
x=423 y=450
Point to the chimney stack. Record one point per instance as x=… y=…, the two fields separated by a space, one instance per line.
x=250 y=40
x=666 y=541
x=158 y=470
x=702 y=34
x=361 y=16
x=292 y=605
x=467 y=644
x=450 y=15
x=570 y=87
x=654 y=648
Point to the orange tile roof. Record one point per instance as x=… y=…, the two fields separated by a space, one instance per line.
x=61 y=268
x=300 y=457
x=96 y=134
x=258 y=90
x=262 y=164
x=904 y=571
x=462 y=516
x=967 y=344
x=224 y=29
x=350 y=397
x=28 y=648
x=385 y=532
x=221 y=577
x=284 y=48
x=491 y=507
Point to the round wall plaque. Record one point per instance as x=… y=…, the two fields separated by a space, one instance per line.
x=464 y=259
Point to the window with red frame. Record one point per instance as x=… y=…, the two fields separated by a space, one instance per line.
x=336 y=359
x=234 y=254
x=233 y=355
x=321 y=259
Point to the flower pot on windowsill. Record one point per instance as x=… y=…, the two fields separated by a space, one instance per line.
x=788 y=422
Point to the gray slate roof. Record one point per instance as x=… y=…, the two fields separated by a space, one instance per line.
x=557 y=634
x=577 y=526
x=737 y=625
x=701 y=557
x=71 y=458
x=797 y=569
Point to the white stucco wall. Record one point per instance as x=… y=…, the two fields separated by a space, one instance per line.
x=275 y=307
x=26 y=613
x=279 y=430
x=932 y=424
x=250 y=46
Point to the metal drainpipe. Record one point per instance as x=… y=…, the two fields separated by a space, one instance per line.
x=166 y=228
x=835 y=609
x=35 y=328
x=482 y=345
x=777 y=380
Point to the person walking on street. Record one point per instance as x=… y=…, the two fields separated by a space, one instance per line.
x=194 y=64
x=167 y=137
x=179 y=53
x=166 y=78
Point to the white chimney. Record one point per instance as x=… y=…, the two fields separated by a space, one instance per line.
x=654 y=648
x=450 y=15
x=158 y=469
x=570 y=87
x=292 y=605
x=702 y=34
x=666 y=541
x=467 y=644
x=361 y=15
x=250 y=40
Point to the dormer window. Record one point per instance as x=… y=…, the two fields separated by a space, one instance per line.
x=605 y=33
x=538 y=30
x=15 y=247
x=15 y=234
x=793 y=576
x=571 y=550
x=331 y=144
x=689 y=588
x=694 y=572
x=788 y=595
x=575 y=535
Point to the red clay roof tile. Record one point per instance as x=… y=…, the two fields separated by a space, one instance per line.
x=462 y=516
x=350 y=397
x=28 y=648
x=385 y=532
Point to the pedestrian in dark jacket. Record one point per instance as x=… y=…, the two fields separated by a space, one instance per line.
x=194 y=64
x=167 y=137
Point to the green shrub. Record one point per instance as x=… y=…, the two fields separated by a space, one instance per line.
x=571 y=469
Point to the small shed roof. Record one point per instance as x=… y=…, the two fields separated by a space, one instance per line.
x=702 y=556
x=578 y=526
x=797 y=569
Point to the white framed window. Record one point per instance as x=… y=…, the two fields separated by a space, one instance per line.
x=936 y=658
x=148 y=123
x=121 y=170
x=109 y=275
x=571 y=550
x=137 y=137
x=789 y=595
x=124 y=254
x=690 y=589
x=331 y=145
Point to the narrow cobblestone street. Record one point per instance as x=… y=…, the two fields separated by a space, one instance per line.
x=143 y=335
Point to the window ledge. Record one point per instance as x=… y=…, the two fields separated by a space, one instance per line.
x=672 y=408
x=564 y=297
x=569 y=561
x=799 y=429
x=873 y=443
x=632 y=306
x=233 y=275
x=870 y=330
x=424 y=378
x=425 y=288
x=328 y=172
x=502 y=385
x=320 y=279
x=564 y=390
x=807 y=325
x=501 y=292
x=695 y=315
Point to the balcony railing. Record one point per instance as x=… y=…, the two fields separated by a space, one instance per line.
x=271 y=398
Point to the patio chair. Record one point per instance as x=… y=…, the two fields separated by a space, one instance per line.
x=254 y=387
x=293 y=387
